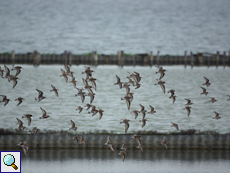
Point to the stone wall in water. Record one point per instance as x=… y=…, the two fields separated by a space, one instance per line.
x=147 y=59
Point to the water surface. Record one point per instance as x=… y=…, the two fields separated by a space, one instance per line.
x=62 y=109
x=109 y=26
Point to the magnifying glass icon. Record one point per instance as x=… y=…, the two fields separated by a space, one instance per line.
x=9 y=160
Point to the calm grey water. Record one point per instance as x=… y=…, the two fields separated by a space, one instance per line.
x=108 y=26
x=186 y=82
x=136 y=161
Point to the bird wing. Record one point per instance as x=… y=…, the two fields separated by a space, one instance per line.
x=43 y=111
x=162 y=87
x=126 y=126
x=39 y=92
x=73 y=124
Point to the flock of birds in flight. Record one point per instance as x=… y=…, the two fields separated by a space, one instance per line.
x=134 y=80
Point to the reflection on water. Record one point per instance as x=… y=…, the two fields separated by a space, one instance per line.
x=136 y=161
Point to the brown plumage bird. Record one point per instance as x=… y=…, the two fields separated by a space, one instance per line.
x=217 y=115
x=5 y=99
x=135 y=113
x=188 y=102
x=128 y=101
x=207 y=83
x=188 y=108
x=19 y=99
x=126 y=121
x=40 y=95
x=28 y=116
x=25 y=146
x=165 y=143
x=175 y=125
x=143 y=122
x=122 y=153
x=73 y=126
x=79 y=108
x=55 y=90
x=161 y=83
x=44 y=114
x=204 y=91
x=152 y=111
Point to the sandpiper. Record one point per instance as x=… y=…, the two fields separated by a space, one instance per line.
x=131 y=96
x=73 y=81
x=55 y=90
x=127 y=99
x=217 y=115
x=73 y=126
x=161 y=83
x=14 y=79
x=143 y=122
x=79 y=108
x=174 y=98
x=131 y=81
x=92 y=80
x=135 y=113
x=91 y=95
x=152 y=111
x=188 y=108
x=213 y=99
x=44 y=114
x=207 y=83
x=143 y=111
x=88 y=72
x=123 y=147
x=109 y=143
x=19 y=99
x=20 y=124
x=64 y=74
x=127 y=87
x=76 y=138
x=138 y=138
x=161 y=71
x=140 y=146
x=82 y=141
x=165 y=143
x=28 y=116
x=118 y=82
x=126 y=121
x=204 y=91
x=100 y=113
x=5 y=99
x=68 y=72
x=25 y=146
x=175 y=125
x=81 y=94
x=40 y=96
x=172 y=93
x=138 y=85
x=122 y=153
x=35 y=130
x=18 y=69
x=88 y=106
x=7 y=70
x=188 y=102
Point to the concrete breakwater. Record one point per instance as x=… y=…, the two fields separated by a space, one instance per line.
x=147 y=59
x=97 y=141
